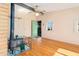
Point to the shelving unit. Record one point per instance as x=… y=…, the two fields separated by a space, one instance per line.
x=18 y=46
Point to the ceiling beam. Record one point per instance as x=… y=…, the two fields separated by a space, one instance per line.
x=28 y=7
x=25 y=6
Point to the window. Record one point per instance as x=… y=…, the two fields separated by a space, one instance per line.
x=49 y=25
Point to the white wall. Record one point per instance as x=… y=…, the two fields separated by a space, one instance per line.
x=62 y=25
x=23 y=26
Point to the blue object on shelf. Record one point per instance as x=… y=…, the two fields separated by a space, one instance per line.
x=17 y=52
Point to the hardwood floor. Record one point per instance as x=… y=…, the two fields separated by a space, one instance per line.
x=47 y=47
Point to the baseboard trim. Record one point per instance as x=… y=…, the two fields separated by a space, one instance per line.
x=61 y=42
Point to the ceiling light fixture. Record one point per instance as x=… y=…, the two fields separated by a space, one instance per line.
x=37 y=14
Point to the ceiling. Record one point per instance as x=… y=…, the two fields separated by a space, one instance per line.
x=21 y=10
x=48 y=7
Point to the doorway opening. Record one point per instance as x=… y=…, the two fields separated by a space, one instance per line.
x=36 y=29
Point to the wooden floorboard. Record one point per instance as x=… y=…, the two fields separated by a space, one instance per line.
x=47 y=47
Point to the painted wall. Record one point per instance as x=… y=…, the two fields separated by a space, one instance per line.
x=23 y=25
x=63 y=25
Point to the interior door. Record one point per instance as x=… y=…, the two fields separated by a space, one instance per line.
x=39 y=28
x=34 y=29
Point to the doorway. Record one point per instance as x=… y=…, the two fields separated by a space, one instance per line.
x=36 y=29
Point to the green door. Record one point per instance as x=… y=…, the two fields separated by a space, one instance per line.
x=34 y=29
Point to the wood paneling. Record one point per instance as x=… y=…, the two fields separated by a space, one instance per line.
x=4 y=27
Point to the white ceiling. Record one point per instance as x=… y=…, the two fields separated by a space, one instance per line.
x=53 y=6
